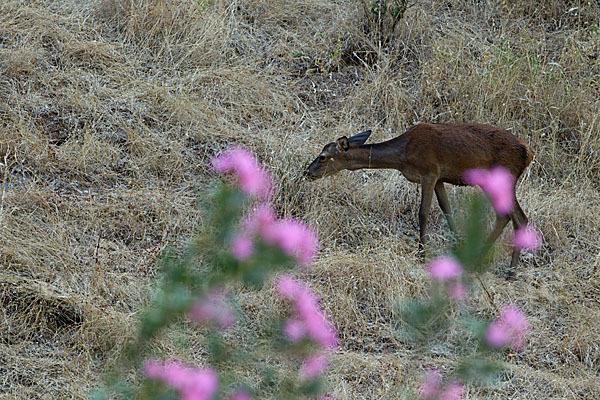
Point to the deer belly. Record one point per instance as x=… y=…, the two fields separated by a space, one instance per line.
x=411 y=174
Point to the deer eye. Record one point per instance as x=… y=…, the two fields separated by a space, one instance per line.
x=322 y=158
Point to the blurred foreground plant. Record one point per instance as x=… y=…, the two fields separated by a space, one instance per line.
x=194 y=287
x=428 y=321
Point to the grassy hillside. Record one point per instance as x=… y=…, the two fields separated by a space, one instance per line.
x=109 y=111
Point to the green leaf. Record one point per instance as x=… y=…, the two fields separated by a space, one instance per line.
x=473 y=251
x=423 y=321
x=478 y=369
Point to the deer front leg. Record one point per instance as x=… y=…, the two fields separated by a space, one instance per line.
x=427 y=188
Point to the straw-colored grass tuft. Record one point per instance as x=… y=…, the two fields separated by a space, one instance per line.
x=111 y=110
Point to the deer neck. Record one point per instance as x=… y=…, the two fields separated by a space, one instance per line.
x=376 y=156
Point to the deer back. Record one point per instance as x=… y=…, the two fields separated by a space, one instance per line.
x=448 y=150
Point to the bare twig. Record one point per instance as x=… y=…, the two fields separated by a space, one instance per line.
x=487 y=292
x=97 y=247
x=4 y=180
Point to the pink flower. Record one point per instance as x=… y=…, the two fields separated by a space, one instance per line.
x=215 y=309
x=517 y=325
x=261 y=221
x=240 y=394
x=496 y=335
x=192 y=383
x=317 y=325
x=431 y=388
x=431 y=385
x=288 y=287
x=444 y=269
x=253 y=179
x=476 y=177
x=293 y=237
x=314 y=366
x=294 y=330
x=458 y=291
x=498 y=183
x=527 y=238
x=454 y=391
x=308 y=311
x=510 y=329
x=242 y=247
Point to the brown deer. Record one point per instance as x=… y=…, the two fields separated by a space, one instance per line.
x=434 y=154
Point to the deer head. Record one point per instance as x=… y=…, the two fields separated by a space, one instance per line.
x=332 y=158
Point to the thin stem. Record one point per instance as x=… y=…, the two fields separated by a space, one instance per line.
x=488 y=293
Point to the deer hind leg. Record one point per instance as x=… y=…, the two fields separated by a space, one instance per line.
x=427 y=188
x=440 y=193
x=501 y=222
x=519 y=219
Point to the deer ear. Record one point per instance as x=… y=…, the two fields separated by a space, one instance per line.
x=359 y=139
x=343 y=144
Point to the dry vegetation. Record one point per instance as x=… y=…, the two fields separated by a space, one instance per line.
x=110 y=109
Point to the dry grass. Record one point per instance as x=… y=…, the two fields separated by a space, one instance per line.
x=111 y=109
